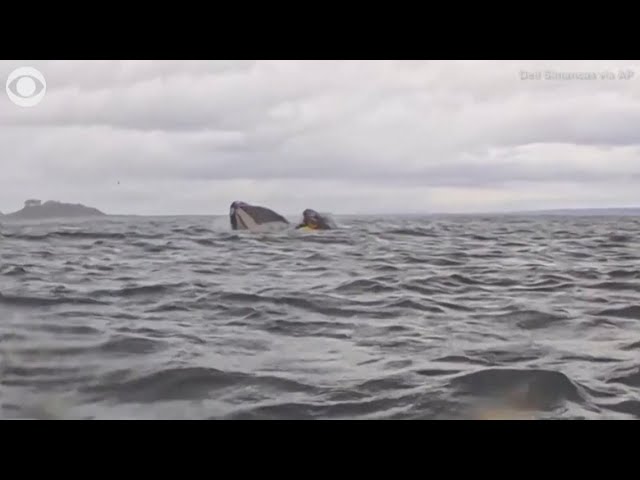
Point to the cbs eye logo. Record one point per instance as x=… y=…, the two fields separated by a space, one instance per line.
x=26 y=86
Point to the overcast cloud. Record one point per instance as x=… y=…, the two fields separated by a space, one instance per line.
x=189 y=137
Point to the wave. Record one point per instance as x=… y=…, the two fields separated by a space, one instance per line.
x=68 y=235
x=454 y=317
x=35 y=301
x=622 y=273
x=13 y=270
x=136 y=290
x=632 y=312
x=364 y=285
x=413 y=232
x=630 y=378
x=184 y=384
x=532 y=319
x=534 y=389
x=632 y=346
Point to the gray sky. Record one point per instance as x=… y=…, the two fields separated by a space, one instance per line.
x=189 y=137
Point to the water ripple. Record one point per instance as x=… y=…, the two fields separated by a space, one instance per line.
x=398 y=318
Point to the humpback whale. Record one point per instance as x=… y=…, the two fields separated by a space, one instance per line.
x=255 y=218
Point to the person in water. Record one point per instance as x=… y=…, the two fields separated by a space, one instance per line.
x=313 y=220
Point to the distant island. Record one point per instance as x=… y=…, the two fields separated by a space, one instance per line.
x=36 y=210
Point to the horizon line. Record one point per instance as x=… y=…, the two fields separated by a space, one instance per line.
x=405 y=214
x=547 y=211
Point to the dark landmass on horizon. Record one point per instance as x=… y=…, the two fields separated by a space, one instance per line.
x=36 y=210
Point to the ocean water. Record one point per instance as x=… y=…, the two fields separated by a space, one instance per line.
x=473 y=317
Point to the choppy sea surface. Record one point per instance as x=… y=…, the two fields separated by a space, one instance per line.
x=386 y=318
